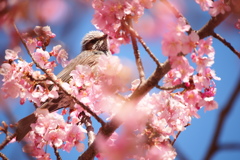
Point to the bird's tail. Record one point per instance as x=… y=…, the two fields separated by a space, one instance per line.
x=23 y=126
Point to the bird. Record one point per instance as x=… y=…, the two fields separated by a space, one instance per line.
x=94 y=44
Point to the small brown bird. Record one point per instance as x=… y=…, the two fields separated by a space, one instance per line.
x=94 y=44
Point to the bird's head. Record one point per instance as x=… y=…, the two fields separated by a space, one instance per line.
x=96 y=40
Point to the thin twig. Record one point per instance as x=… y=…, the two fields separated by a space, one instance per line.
x=171 y=88
x=176 y=138
x=56 y=153
x=7 y=140
x=3 y=156
x=229 y=146
x=137 y=56
x=178 y=135
x=226 y=43
x=58 y=84
x=147 y=49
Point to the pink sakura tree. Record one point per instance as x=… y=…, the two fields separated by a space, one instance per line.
x=150 y=116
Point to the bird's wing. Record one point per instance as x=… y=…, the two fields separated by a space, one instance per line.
x=85 y=58
x=63 y=101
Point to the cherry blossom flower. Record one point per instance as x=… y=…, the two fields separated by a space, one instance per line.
x=81 y=75
x=189 y=42
x=46 y=30
x=171 y=45
x=32 y=44
x=12 y=54
x=12 y=88
x=205 y=4
x=60 y=54
x=205 y=47
x=219 y=7
x=41 y=57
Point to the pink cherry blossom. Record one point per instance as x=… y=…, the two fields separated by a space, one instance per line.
x=12 y=54
x=181 y=26
x=12 y=88
x=32 y=44
x=41 y=57
x=192 y=97
x=81 y=75
x=202 y=62
x=60 y=54
x=183 y=69
x=205 y=47
x=189 y=42
x=219 y=7
x=171 y=45
x=205 y=4
x=209 y=105
x=237 y=24
x=109 y=65
x=55 y=137
x=46 y=30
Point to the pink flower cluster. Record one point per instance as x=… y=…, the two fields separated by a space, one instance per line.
x=214 y=7
x=51 y=129
x=198 y=80
x=20 y=80
x=110 y=14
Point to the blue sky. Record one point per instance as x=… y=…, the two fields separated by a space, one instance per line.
x=194 y=141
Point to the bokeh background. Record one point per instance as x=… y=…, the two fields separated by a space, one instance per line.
x=71 y=20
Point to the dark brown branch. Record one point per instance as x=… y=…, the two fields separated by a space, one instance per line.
x=178 y=135
x=226 y=43
x=7 y=140
x=208 y=29
x=176 y=138
x=171 y=88
x=229 y=146
x=3 y=156
x=213 y=147
x=50 y=77
x=56 y=153
x=137 y=56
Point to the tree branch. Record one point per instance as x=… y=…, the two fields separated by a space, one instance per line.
x=90 y=130
x=137 y=55
x=7 y=140
x=213 y=147
x=56 y=153
x=208 y=29
x=226 y=43
x=171 y=88
x=229 y=146
x=49 y=75
x=3 y=156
